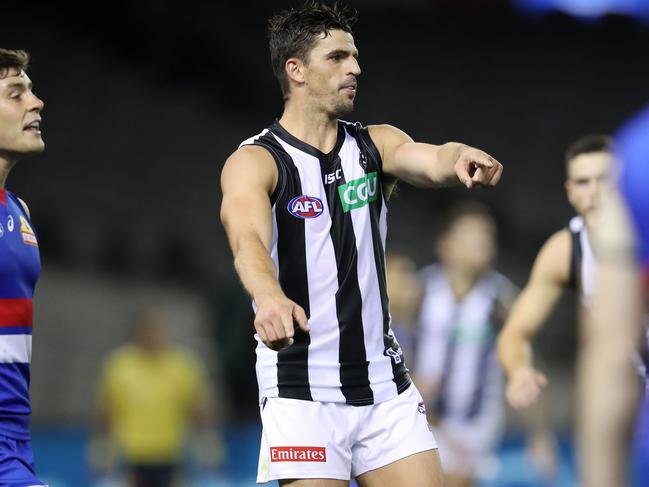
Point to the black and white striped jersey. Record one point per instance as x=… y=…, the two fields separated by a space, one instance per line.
x=456 y=344
x=582 y=261
x=329 y=229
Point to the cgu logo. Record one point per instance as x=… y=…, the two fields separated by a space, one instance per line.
x=304 y=206
x=359 y=192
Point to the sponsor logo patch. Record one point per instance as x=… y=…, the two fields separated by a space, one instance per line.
x=304 y=206
x=359 y=192
x=27 y=233
x=421 y=407
x=298 y=454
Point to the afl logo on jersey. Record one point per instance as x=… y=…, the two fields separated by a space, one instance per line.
x=304 y=206
x=2 y=230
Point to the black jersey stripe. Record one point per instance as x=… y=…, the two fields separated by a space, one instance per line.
x=372 y=157
x=292 y=362
x=354 y=366
x=575 y=261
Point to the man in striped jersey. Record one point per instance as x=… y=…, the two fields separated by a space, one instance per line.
x=304 y=207
x=20 y=136
x=565 y=261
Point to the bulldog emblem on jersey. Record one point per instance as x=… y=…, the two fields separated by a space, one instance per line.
x=27 y=233
x=304 y=206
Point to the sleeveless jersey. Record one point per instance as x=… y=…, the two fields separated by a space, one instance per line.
x=582 y=261
x=19 y=271
x=328 y=247
x=456 y=345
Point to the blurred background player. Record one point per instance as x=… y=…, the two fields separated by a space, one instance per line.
x=608 y=386
x=405 y=293
x=565 y=261
x=20 y=136
x=152 y=393
x=464 y=305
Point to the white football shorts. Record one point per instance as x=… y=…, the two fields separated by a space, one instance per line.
x=306 y=440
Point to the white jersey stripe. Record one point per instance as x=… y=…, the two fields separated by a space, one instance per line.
x=324 y=380
x=380 y=367
x=15 y=349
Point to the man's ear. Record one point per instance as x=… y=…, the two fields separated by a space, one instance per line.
x=295 y=70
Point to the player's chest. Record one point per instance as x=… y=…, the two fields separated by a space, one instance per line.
x=346 y=184
x=19 y=256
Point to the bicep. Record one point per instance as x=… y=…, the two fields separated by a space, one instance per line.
x=396 y=147
x=533 y=306
x=247 y=180
x=412 y=162
x=548 y=279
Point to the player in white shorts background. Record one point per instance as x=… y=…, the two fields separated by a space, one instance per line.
x=304 y=207
x=465 y=302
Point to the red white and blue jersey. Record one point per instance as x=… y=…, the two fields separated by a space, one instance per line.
x=19 y=271
x=633 y=148
x=633 y=144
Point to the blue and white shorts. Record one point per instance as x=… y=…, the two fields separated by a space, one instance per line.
x=17 y=464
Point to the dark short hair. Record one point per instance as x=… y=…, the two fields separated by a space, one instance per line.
x=293 y=33
x=464 y=209
x=12 y=59
x=588 y=145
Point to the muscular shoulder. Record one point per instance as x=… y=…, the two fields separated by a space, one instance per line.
x=553 y=261
x=387 y=137
x=250 y=164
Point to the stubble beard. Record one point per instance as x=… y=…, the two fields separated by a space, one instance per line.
x=342 y=109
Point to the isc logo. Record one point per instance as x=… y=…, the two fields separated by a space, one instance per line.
x=304 y=206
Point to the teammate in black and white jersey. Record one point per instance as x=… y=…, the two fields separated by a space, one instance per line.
x=304 y=207
x=565 y=260
x=464 y=305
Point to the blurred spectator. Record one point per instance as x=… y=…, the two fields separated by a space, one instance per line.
x=151 y=392
x=465 y=302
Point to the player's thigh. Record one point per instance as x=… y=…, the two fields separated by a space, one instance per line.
x=313 y=483
x=458 y=480
x=422 y=469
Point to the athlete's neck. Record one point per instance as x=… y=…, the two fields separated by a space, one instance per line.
x=460 y=281
x=317 y=129
x=5 y=167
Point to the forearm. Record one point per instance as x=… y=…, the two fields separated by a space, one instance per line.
x=256 y=269
x=428 y=165
x=514 y=350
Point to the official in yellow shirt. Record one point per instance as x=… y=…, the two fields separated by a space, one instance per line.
x=151 y=392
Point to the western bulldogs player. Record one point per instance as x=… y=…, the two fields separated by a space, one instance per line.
x=20 y=136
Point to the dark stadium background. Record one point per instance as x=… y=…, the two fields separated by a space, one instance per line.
x=146 y=99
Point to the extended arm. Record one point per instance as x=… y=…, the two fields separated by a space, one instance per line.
x=247 y=180
x=549 y=277
x=433 y=165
